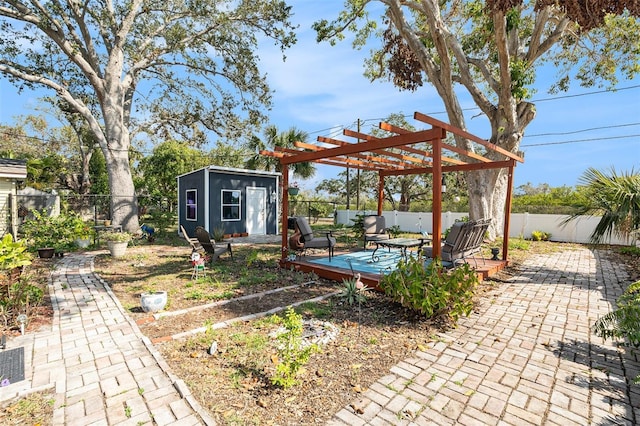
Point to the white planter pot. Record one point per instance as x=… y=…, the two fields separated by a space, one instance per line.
x=117 y=248
x=154 y=301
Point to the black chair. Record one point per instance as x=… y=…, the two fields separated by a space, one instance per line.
x=308 y=240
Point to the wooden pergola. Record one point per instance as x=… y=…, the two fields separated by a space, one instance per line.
x=395 y=155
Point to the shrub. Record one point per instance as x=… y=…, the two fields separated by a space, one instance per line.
x=540 y=236
x=292 y=354
x=13 y=257
x=431 y=290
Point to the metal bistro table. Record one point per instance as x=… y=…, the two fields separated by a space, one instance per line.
x=402 y=243
x=101 y=228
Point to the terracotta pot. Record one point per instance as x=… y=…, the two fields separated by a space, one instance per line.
x=153 y=301
x=244 y=234
x=107 y=223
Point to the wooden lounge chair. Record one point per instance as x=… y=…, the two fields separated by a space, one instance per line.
x=463 y=241
x=210 y=246
x=192 y=241
x=375 y=229
x=308 y=240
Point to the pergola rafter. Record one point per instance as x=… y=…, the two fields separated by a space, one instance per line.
x=394 y=155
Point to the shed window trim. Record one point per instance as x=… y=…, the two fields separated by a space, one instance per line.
x=231 y=203
x=191 y=205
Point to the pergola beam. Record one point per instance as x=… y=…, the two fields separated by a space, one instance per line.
x=456 y=131
x=391 y=142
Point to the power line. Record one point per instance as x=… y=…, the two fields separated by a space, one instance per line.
x=613 y=126
x=581 y=140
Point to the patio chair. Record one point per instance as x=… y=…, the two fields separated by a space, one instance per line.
x=192 y=241
x=463 y=241
x=210 y=246
x=308 y=240
x=375 y=229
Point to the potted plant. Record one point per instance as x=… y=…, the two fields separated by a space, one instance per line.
x=117 y=242
x=81 y=232
x=293 y=188
x=42 y=232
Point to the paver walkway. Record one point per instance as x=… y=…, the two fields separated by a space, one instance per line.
x=102 y=369
x=528 y=357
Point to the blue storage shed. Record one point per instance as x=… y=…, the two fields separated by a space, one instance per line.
x=237 y=201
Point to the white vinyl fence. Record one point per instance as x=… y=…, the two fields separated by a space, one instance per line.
x=522 y=224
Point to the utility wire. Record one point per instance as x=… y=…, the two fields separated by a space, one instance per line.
x=581 y=140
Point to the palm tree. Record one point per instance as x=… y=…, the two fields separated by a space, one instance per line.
x=273 y=139
x=616 y=197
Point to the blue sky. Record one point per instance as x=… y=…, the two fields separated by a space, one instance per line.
x=320 y=88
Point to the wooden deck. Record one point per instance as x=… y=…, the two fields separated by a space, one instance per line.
x=484 y=267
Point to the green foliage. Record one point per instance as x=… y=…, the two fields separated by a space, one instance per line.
x=624 y=321
x=616 y=198
x=358 y=226
x=351 y=294
x=163 y=219
x=519 y=244
x=13 y=255
x=543 y=199
x=275 y=139
x=118 y=237
x=394 y=231
x=168 y=160
x=46 y=231
x=292 y=353
x=430 y=289
x=540 y=236
x=218 y=234
x=630 y=250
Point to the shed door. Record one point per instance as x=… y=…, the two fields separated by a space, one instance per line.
x=256 y=211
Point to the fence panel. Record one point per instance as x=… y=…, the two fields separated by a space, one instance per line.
x=522 y=224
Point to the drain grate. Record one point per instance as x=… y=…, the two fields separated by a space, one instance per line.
x=12 y=366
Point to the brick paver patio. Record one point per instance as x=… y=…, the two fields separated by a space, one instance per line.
x=527 y=357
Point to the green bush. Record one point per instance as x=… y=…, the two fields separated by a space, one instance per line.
x=431 y=290
x=540 y=236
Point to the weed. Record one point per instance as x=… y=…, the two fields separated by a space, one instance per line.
x=127 y=410
x=314 y=309
x=630 y=250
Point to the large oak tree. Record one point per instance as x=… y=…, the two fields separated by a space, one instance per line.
x=166 y=68
x=491 y=50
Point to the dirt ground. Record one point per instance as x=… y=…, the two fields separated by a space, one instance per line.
x=234 y=382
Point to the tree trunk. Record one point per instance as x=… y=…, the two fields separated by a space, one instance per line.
x=124 y=203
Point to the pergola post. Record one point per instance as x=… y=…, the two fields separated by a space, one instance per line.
x=437 y=196
x=380 y=193
x=507 y=211
x=285 y=212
